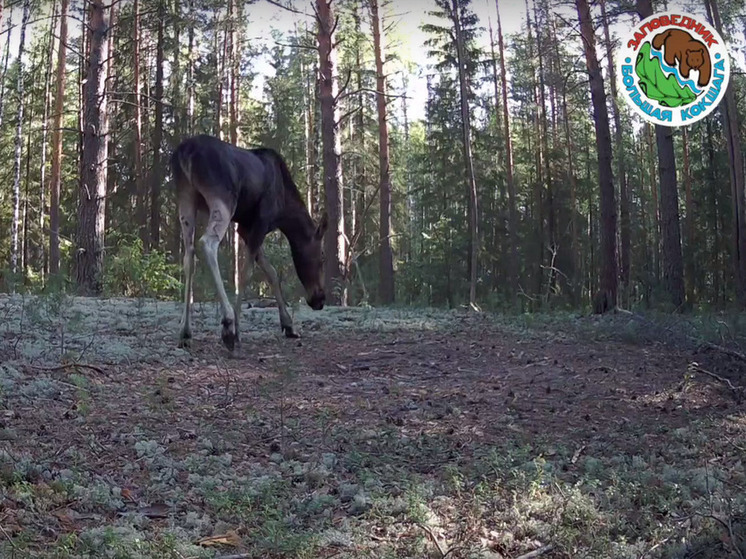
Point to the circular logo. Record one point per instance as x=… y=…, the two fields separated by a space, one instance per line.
x=673 y=68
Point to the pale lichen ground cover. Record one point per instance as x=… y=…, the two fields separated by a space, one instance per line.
x=382 y=433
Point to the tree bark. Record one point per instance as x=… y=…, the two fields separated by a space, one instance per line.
x=89 y=253
x=19 y=141
x=336 y=251
x=689 y=220
x=141 y=204
x=56 y=171
x=190 y=71
x=386 y=261
x=157 y=171
x=606 y=299
x=468 y=159
x=6 y=57
x=624 y=223
x=731 y=124
x=512 y=204
x=673 y=272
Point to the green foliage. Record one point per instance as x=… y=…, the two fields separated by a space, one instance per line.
x=656 y=85
x=132 y=272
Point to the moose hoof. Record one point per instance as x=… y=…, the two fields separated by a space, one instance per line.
x=185 y=340
x=290 y=332
x=229 y=334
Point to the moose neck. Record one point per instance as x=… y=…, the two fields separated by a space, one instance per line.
x=296 y=224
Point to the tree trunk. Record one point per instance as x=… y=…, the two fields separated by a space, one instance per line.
x=89 y=254
x=731 y=124
x=606 y=299
x=157 y=171
x=6 y=57
x=512 y=204
x=468 y=159
x=19 y=141
x=336 y=265
x=689 y=220
x=141 y=204
x=386 y=262
x=59 y=107
x=673 y=273
x=575 y=247
x=190 y=71
x=624 y=223
x=44 y=144
x=235 y=59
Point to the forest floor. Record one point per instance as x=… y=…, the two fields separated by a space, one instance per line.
x=380 y=433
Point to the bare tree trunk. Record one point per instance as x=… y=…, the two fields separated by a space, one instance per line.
x=624 y=223
x=512 y=204
x=468 y=159
x=386 y=262
x=729 y=112
x=575 y=248
x=235 y=59
x=157 y=171
x=606 y=299
x=55 y=182
x=89 y=254
x=6 y=57
x=44 y=136
x=336 y=251
x=673 y=273
x=689 y=221
x=190 y=71
x=19 y=141
x=141 y=204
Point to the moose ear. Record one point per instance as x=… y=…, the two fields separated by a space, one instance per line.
x=323 y=224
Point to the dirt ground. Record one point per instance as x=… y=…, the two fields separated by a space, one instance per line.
x=377 y=434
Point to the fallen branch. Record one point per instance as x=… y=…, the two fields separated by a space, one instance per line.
x=67 y=366
x=435 y=540
x=536 y=552
x=695 y=367
x=236 y=556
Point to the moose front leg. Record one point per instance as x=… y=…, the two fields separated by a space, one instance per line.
x=286 y=322
x=217 y=226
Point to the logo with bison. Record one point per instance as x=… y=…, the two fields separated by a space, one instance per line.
x=674 y=69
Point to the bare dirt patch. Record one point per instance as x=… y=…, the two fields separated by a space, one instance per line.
x=378 y=434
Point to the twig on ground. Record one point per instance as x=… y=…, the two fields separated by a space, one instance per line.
x=68 y=366
x=695 y=367
x=12 y=543
x=536 y=552
x=435 y=540
x=236 y=556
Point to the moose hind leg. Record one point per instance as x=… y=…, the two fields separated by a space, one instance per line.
x=217 y=226
x=187 y=218
x=286 y=322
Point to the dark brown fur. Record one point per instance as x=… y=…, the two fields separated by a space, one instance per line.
x=679 y=46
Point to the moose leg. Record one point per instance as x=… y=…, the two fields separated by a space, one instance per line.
x=217 y=226
x=187 y=217
x=286 y=322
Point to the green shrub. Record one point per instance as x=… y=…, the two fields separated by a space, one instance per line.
x=132 y=272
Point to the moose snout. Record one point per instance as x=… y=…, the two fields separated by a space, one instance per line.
x=316 y=301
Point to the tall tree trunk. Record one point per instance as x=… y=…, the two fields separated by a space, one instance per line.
x=235 y=60
x=468 y=159
x=89 y=254
x=56 y=179
x=141 y=204
x=41 y=255
x=512 y=204
x=157 y=171
x=689 y=220
x=606 y=299
x=624 y=223
x=19 y=140
x=575 y=247
x=731 y=124
x=386 y=261
x=544 y=147
x=673 y=273
x=6 y=57
x=190 y=71
x=336 y=264
x=655 y=218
